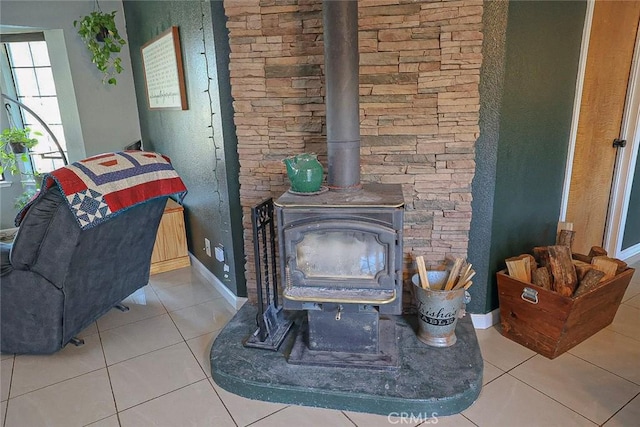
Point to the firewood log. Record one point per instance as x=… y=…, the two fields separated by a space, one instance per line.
x=565 y=238
x=581 y=268
x=582 y=257
x=565 y=279
x=589 y=281
x=597 y=251
x=542 y=277
x=541 y=254
x=520 y=267
x=605 y=264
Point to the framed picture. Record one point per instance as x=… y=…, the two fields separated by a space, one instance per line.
x=163 y=74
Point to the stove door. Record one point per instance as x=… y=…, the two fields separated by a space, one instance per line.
x=340 y=254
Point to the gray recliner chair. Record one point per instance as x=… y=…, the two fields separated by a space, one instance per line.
x=57 y=278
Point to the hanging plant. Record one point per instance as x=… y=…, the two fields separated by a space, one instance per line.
x=98 y=31
x=15 y=144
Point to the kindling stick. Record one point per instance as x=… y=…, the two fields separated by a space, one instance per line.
x=453 y=275
x=422 y=272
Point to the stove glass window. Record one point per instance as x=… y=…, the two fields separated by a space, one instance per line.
x=340 y=254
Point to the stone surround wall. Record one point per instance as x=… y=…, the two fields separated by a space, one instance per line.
x=419 y=103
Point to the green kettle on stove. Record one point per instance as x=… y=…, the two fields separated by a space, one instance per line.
x=305 y=172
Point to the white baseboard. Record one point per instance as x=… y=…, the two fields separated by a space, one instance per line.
x=487 y=320
x=229 y=296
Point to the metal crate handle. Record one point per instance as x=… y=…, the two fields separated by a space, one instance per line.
x=530 y=295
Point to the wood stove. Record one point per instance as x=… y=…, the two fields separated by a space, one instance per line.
x=341 y=261
x=341 y=250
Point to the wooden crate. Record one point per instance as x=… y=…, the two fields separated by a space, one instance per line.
x=555 y=323
x=170 y=249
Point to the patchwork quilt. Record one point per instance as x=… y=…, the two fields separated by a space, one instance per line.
x=102 y=186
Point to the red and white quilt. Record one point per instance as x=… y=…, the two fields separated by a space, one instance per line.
x=102 y=186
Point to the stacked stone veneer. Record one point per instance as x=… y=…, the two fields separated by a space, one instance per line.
x=419 y=106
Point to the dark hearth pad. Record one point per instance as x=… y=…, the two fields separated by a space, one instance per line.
x=433 y=381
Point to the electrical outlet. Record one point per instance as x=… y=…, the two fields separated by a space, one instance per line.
x=219 y=253
x=207 y=246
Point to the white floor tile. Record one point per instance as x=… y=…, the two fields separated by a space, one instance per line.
x=628 y=416
x=579 y=385
x=153 y=374
x=246 y=411
x=634 y=301
x=634 y=287
x=457 y=420
x=305 y=416
x=202 y=318
x=500 y=351
x=626 y=321
x=373 y=420
x=92 y=329
x=193 y=405
x=183 y=296
x=612 y=351
x=143 y=304
x=75 y=402
x=4 y=356
x=111 y=421
x=6 y=370
x=3 y=411
x=490 y=373
x=181 y=276
x=31 y=372
x=134 y=339
x=201 y=348
x=509 y=402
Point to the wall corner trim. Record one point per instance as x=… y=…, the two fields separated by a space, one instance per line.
x=212 y=280
x=487 y=320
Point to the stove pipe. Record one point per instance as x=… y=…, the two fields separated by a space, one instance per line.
x=341 y=65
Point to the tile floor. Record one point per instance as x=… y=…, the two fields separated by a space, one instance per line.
x=150 y=367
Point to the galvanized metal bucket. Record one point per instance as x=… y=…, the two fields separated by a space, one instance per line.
x=438 y=311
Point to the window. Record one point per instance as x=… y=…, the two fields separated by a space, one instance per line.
x=32 y=78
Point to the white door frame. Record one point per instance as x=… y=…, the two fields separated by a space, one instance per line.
x=625 y=166
x=582 y=67
x=626 y=158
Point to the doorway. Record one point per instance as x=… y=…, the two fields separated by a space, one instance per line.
x=599 y=171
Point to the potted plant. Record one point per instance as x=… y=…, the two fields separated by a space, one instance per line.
x=15 y=144
x=99 y=32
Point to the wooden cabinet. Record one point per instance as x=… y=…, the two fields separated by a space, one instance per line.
x=170 y=250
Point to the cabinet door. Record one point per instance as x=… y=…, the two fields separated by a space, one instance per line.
x=170 y=249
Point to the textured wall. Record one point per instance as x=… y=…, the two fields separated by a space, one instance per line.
x=491 y=82
x=200 y=141
x=541 y=63
x=419 y=74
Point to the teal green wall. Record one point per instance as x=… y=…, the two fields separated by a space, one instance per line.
x=631 y=235
x=494 y=19
x=200 y=141
x=527 y=92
